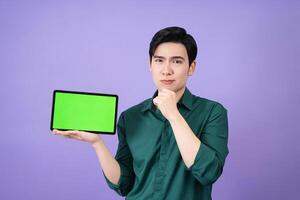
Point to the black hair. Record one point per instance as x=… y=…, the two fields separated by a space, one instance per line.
x=177 y=35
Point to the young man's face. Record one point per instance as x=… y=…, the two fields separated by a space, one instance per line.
x=170 y=66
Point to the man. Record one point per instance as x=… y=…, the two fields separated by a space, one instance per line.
x=171 y=146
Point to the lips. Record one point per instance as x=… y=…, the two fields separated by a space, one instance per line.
x=167 y=82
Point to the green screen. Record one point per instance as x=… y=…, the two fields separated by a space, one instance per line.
x=85 y=111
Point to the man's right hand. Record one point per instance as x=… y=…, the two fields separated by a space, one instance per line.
x=91 y=138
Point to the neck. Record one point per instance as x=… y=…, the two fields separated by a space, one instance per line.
x=179 y=94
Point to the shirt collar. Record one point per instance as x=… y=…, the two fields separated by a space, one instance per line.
x=186 y=100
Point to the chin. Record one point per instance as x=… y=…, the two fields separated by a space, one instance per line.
x=168 y=87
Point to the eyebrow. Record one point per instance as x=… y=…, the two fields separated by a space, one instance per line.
x=173 y=57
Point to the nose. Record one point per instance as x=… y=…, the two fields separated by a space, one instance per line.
x=166 y=70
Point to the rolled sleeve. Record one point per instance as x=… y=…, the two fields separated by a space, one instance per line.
x=210 y=158
x=124 y=158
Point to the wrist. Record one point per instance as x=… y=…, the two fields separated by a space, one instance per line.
x=97 y=143
x=175 y=117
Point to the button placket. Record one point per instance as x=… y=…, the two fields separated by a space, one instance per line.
x=162 y=162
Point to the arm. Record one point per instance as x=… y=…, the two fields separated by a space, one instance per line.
x=205 y=161
x=210 y=159
x=203 y=153
x=124 y=158
x=108 y=163
x=118 y=170
x=187 y=142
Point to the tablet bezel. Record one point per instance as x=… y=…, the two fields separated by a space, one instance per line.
x=85 y=93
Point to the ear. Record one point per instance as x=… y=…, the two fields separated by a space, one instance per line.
x=192 y=68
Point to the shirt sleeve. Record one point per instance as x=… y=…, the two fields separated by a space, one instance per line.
x=210 y=158
x=124 y=158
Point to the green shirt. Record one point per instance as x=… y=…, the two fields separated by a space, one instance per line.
x=150 y=161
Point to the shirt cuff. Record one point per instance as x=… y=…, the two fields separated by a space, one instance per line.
x=202 y=164
x=113 y=186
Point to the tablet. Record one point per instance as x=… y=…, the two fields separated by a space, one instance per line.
x=84 y=111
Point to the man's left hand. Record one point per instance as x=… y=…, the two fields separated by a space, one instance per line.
x=167 y=103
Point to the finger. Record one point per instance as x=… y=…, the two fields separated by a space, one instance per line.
x=154 y=102
x=78 y=133
x=157 y=101
x=163 y=94
x=70 y=132
x=163 y=91
x=75 y=134
x=76 y=137
x=72 y=137
x=57 y=132
x=166 y=90
x=66 y=136
x=65 y=133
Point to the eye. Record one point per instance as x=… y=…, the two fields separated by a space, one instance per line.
x=177 y=61
x=158 y=60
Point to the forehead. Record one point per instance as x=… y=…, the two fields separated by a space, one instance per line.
x=169 y=49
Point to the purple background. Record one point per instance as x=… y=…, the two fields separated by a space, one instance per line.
x=248 y=60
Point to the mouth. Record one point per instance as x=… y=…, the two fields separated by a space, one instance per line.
x=167 y=82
